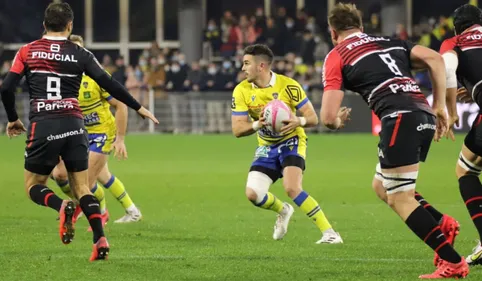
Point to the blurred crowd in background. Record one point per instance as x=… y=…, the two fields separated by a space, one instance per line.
x=299 y=44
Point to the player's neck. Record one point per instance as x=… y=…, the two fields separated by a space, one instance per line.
x=263 y=80
x=345 y=34
x=63 y=34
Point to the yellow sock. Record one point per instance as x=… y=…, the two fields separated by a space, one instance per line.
x=65 y=187
x=311 y=208
x=117 y=189
x=100 y=195
x=270 y=202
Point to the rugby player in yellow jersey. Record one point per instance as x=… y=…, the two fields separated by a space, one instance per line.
x=278 y=155
x=106 y=133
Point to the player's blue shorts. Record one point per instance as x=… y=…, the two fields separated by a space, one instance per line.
x=101 y=143
x=271 y=160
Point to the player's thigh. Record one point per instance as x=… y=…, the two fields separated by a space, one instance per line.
x=43 y=146
x=377 y=184
x=97 y=161
x=75 y=152
x=405 y=139
x=266 y=162
x=105 y=175
x=470 y=160
x=60 y=172
x=292 y=153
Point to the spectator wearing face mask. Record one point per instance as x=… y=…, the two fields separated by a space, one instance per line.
x=216 y=105
x=212 y=34
x=307 y=48
x=287 y=36
x=120 y=73
x=227 y=76
x=197 y=105
x=155 y=79
x=177 y=97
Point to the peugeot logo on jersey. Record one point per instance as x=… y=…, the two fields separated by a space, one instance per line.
x=85 y=84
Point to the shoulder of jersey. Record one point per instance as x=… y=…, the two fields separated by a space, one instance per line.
x=243 y=84
x=285 y=79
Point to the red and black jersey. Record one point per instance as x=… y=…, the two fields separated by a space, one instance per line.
x=379 y=69
x=53 y=67
x=468 y=47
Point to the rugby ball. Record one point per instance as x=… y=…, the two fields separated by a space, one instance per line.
x=275 y=113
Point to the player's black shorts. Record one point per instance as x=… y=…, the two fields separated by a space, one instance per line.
x=48 y=139
x=473 y=140
x=405 y=138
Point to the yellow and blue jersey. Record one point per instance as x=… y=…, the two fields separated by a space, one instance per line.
x=98 y=119
x=250 y=100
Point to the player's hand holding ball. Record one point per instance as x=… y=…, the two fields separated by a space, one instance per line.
x=278 y=118
x=442 y=123
x=147 y=114
x=15 y=128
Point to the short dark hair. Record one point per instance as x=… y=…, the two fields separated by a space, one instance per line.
x=76 y=38
x=465 y=16
x=345 y=17
x=260 y=50
x=57 y=16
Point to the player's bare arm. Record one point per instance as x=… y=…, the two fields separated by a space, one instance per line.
x=121 y=113
x=242 y=127
x=96 y=72
x=422 y=57
x=451 y=62
x=333 y=116
x=308 y=118
x=15 y=127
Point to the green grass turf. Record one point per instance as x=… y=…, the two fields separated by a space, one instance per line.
x=199 y=226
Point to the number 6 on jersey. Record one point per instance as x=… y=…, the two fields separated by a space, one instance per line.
x=53 y=88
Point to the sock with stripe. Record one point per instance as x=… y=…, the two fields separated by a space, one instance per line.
x=90 y=206
x=65 y=187
x=44 y=196
x=117 y=189
x=100 y=195
x=426 y=228
x=270 y=202
x=312 y=209
x=471 y=191
x=427 y=206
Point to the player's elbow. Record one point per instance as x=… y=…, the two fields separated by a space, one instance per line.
x=328 y=119
x=236 y=132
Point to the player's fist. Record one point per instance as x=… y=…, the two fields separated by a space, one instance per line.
x=15 y=128
x=147 y=114
x=344 y=115
x=453 y=120
x=464 y=96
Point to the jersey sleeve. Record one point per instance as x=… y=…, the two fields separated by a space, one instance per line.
x=18 y=64
x=297 y=94
x=332 y=71
x=408 y=45
x=448 y=45
x=238 y=104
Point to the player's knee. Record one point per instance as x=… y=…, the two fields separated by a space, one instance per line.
x=257 y=186
x=399 y=186
x=377 y=184
x=293 y=190
x=465 y=167
x=59 y=176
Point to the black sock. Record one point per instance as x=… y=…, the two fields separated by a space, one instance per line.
x=434 y=212
x=43 y=196
x=471 y=191
x=90 y=207
x=426 y=228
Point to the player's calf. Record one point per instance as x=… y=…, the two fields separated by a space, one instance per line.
x=468 y=171
x=400 y=186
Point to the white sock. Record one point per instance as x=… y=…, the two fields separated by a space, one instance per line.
x=329 y=231
x=132 y=209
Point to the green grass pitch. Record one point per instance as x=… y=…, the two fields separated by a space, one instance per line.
x=199 y=226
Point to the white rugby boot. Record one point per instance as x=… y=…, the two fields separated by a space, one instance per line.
x=330 y=237
x=133 y=216
x=281 y=225
x=476 y=256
